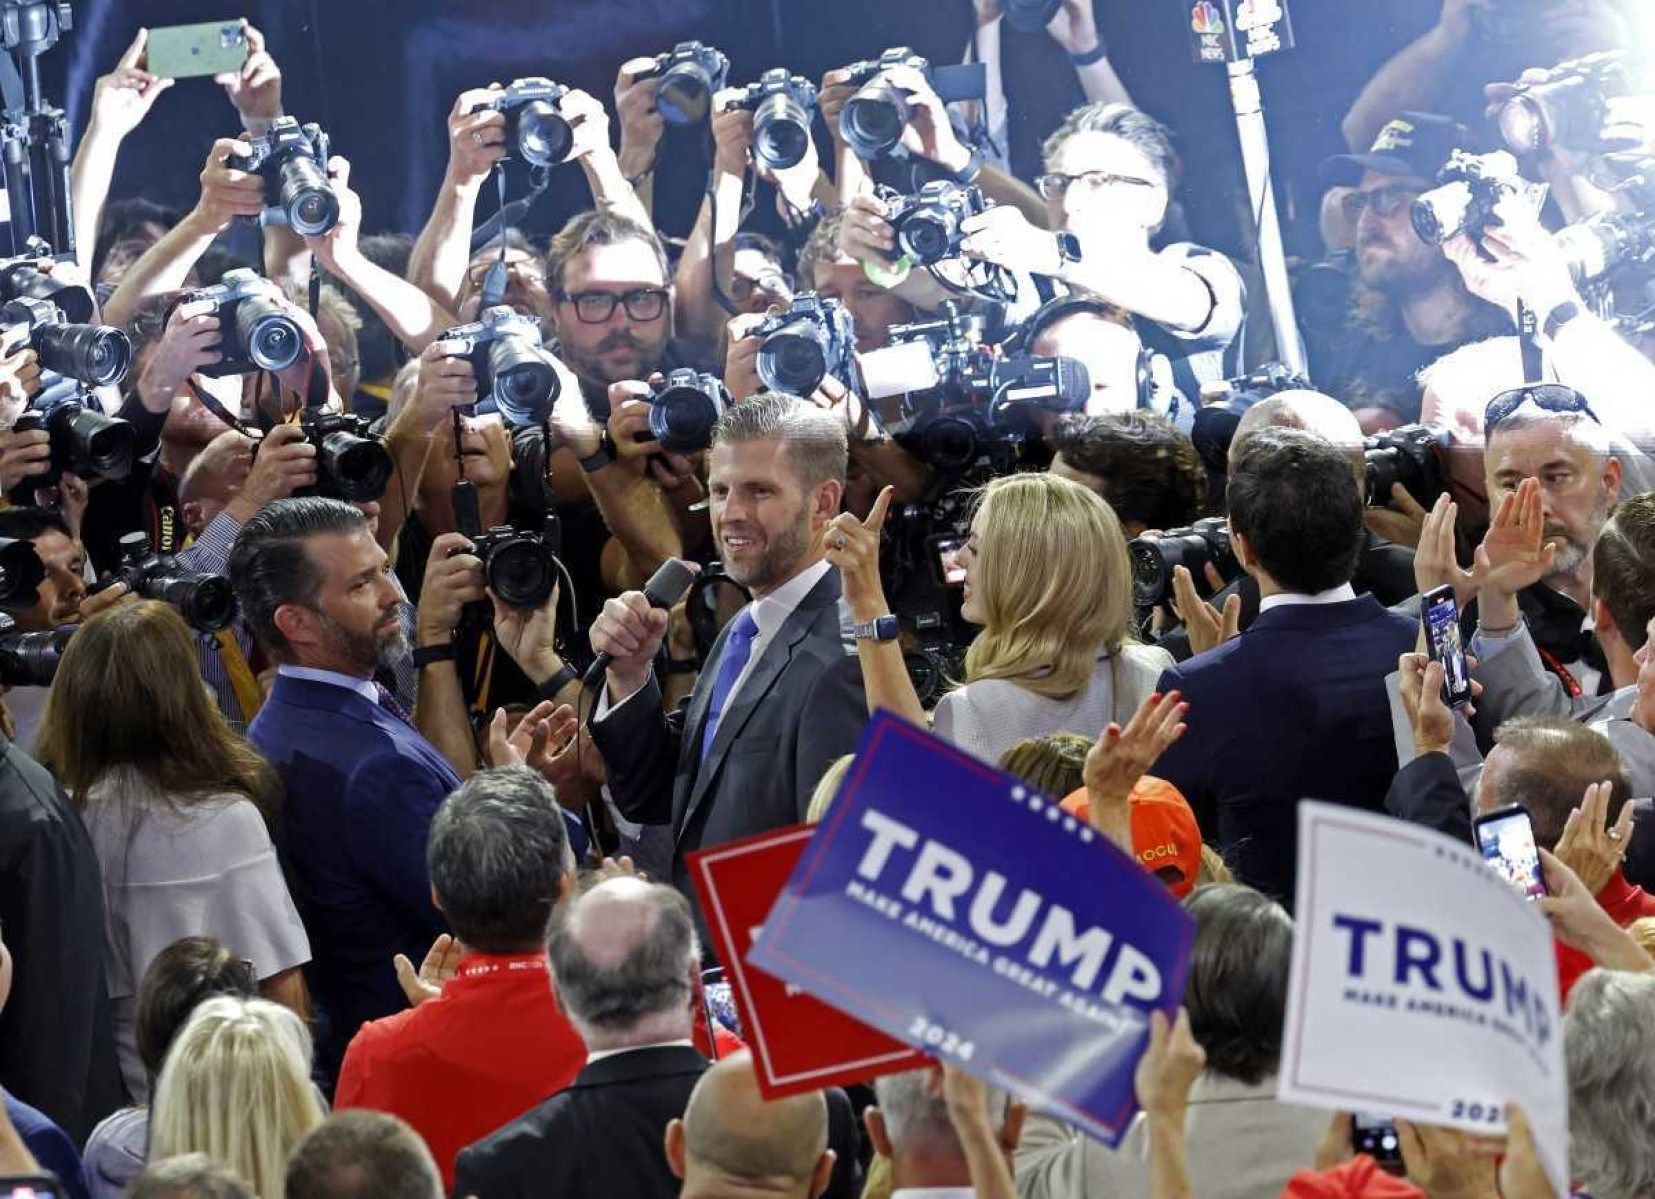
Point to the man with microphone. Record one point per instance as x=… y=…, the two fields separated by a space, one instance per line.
x=781 y=694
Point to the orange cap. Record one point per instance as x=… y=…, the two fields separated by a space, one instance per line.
x=1165 y=836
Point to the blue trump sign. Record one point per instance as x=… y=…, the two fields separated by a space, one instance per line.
x=949 y=905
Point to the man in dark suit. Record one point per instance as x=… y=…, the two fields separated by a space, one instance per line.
x=624 y=962
x=780 y=696
x=1294 y=708
x=362 y=784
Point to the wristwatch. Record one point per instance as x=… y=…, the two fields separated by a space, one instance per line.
x=1560 y=316
x=880 y=628
x=601 y=457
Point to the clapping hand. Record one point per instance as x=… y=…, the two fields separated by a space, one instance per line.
x=442 y=962
x=1168 y=1068
x=1588 y=846
x=1120 y=758
x=1434 y=562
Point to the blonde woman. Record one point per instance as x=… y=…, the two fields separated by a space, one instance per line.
x=1049 y=580
x=236 y=1086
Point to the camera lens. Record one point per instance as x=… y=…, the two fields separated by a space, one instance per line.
x=793 y=359
x=684 y=95
x=927 y=236
x=544 y=138
x=206 y=602
x=21 y=572
x=272 y=337
x=781 y=131
x=26 y=279
x=524 y=383
x=358 y=468
x=521 y=572
x=1151 y=573
x=307 y=197
x=1522 y=122
x=873 y=119
x=682 y=417
x=90 y=442
x=93 y=354
x=30 y=659
x=949 y=443
x=1443 y=212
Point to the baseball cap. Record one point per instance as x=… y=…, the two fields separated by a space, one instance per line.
x=1165 y=836
x=1413 y=145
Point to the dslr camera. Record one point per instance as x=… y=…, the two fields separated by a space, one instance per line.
x=800 y=347
x=689 y=74
x=1467 y=191
x=521 y=568
x=927 y=225
x=514 y=371
x=21 y=278
x=1204 y=542
x=536 y=130
x=1568 y=107
x=1410 y=455
x=352 y=463
x=29 y=659
x=257 y=329
x=293 y=159
x=94 y=355
x=783 y=106
x=684 y=409
x=206 y=601
x=873 y=119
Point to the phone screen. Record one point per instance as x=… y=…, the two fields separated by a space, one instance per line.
x=1441 y=614
x=949 y=569
x=1506 y=839
x=1376 y=1136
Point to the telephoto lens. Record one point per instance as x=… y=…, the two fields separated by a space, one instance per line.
x=21 y=277
x=307 y=197
x=96 y=355
x=21 y=573
x=521 y=379
x=29 y=659
x=206 y=601
x=793 y=358
x=684 y=409
x=83 y=441
x=689 y=75
x=521 y=568
x=872 y=121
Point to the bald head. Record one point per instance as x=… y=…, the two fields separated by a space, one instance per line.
x=624 y=958
x=1311 y=411
x=730 y=1135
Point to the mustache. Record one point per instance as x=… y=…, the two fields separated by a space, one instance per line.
x=621 y=339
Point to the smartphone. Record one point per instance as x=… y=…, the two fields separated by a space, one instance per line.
x=945 y=548
x=1506 y=838
x=1376 y=1136
x=187 y=51
x=1439 y=611
x=30 y=1186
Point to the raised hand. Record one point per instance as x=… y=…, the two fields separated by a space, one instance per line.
x=256 y=89
x=442 y=962
x=852 y=545
x=1588 y=846
x=122 y=99
x=1206 y=627
x=1168 y=1068
x=1120 y=757
x=1434 y=562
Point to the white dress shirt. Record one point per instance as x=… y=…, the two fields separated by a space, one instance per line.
x=1284 y=599
x=597 y=1055
x=333 y=678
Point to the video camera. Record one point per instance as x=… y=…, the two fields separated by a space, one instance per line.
x=293 y=159
x=206 y=601
x=536 y=130
x=256 y=327
x=513 y=368
x=690 y=73
x=1410 y=455
x=873 y=120
x=684 y=409
x=928 y=225
x=29 y=659
x=812 y=339
x=783 y=106
x=1224 y=404
x=1606 y=244
x=1569 y=106
x=1469 y=187
x=1206 y=542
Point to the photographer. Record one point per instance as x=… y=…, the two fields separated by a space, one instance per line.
x=1147 y=471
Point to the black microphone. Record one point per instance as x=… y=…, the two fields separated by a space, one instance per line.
x=669 y=584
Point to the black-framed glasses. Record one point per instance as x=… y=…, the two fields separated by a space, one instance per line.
x=1054 y=185
x=1548 y=397
x=774 y=284
x=1385 y=201
x=595 y=307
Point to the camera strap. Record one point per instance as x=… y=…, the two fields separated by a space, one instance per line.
x=211 y=404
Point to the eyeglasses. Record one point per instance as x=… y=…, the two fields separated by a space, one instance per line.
x=772 y=283
x=1548 y=397
x=1386 y=201
x=1053 y=186
x=595 y=307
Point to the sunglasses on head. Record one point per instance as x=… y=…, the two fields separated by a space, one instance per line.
x=1548 y=397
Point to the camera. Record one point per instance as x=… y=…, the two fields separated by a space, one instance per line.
x=22 y=278
x=1568 y=107
x=690 y=73
x=521 y=568
x=536 y=130
x=1204 y=542
x=1607 y=243
x=256 y=327
x=293 y=159
x=927 y=225
x=29 y=659
x=1469 y=187
x=684 y=409
x=351 y=463
x=873 y=119
x=83 y=441
x=917 y=558
x=21 y=573
x=1409 y=455
x=800 y=347
x=515 y=372
x=95 y=355
x=206 y=601
x=782 y=106
x=1224 y=404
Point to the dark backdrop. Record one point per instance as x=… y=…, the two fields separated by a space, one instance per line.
x=381 y=75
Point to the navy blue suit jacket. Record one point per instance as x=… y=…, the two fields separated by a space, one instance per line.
x=1294 y=708
x=362 y=787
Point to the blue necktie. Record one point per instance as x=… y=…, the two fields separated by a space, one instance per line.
x=738 y=647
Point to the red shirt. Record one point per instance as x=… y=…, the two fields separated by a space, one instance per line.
x=1624 y=903
x=490 y=1047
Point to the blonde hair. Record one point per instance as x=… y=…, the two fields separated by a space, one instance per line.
x=236 y=1086
x=827 y=787
x=1055 y=583
x=1054 y=765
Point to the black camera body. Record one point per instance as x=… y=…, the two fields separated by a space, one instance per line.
x=1607 y=244
x=29 y=659
x=206 y=601
x=928 y=225
x=515 y=372
x=689 y=75
x=685 y=408
x=1410 y=455
x=1568 y=106
x=536 y=130
x=812 y=339
x=94 y=355
x=293 y=159
x=256 y=327
x=1204 y=543
x=1467 y=191
x=522 y=569
x=925 y=599
x=872 y=120
x=783 y=106
x=352 y=463
x=22 y=278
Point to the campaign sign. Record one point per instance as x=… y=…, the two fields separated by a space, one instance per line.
x=799 y=1043
x=949 y=905
x=1424 y=985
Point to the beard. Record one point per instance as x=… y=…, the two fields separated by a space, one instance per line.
x=366 y=653
x=1401 y=272
x=598 y=365
x=780 y=560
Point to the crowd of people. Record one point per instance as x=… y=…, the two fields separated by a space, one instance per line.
x=378 y=646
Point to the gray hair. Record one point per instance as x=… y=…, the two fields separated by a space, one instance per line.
x=651 y=977
x=1609 y=1045
x=916 y=1117
x=362 y=1154
x=821 y=248
x=813 y=438
x=189 y=1176
x=1236 y=992
x=1142 y=131
x=497 y=855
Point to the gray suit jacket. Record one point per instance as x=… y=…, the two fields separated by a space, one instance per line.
x=801 y=707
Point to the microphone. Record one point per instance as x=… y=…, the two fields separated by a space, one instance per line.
x=669 y=584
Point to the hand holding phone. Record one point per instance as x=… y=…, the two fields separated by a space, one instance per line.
x=189 y=51
x=1439 y=613
x=1506 y=838
x=1376 y=1136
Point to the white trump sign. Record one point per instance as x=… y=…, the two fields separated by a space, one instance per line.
x=1424 y=985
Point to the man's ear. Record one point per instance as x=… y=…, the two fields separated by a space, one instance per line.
x=829 y=498
x=295 y=623
x=1243 y=551
x=823 y=1175
x=1612 y=473
x=874 y=1120
x=1602 y=621
x=436 y=900
x=675 y=1148
x=190 y=510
